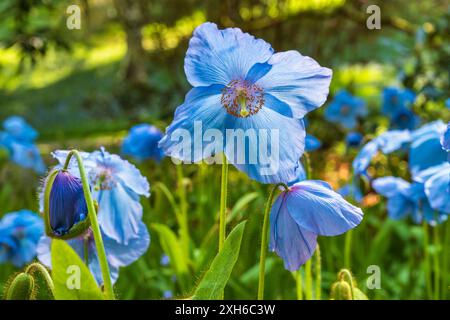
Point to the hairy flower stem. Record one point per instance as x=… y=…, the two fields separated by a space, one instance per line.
x=348 y=249
x=223 y=202
x=318 y=271
x=436 y=242
x=445 y=261
x=183 y=220
x=426 y=260
x=299 y=284
x=109 y=291
x=264 y=236
x=308 y=280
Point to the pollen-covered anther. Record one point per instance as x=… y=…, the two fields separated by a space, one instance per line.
x=242 y=98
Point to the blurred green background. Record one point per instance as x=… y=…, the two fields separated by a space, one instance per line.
x=86 y=88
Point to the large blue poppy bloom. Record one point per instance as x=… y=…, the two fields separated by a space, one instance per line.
x=240 y=84
x=395 y=100
x=310 y=208
x=19 y=234
x=117 y=254
x=116 y=186
x=426 y=150
x=142 y=142
x=19 y=129
x=345 y=109
x=387 y=142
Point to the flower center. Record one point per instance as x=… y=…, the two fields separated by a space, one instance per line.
x=242 y=98
x=104 y=180
x=345 y=110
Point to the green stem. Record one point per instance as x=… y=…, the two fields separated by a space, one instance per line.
x=445 y=261
x=299 y=284
x=307 y=164
x=223 y=202
x=436 y=266
x=308 y=280
x=264 y=236
x=426 y=259
x=318 y=273
x=86 y=251
x=184 y=227
x=109 y=291
x=348 y=248
x=37 y=267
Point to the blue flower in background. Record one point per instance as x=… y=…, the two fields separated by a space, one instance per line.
x=445 y=139
x=67 y=205
x=387 y=142
x=18 y=139
x=164 y=260
x=353 y=139
x=240 y=83
x=404 y=119
x=19 y=234
x=395 y=100
x=312 y=143
x=19 y=129
x=117 y=254
x=425 y=150
x=142 y=143
x=354 y=189
x=310 y=208
x=345 y=109
x=167 y=294
x=116 y=186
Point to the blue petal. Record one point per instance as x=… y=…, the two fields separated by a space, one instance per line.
x=312 y=143
x=445 y=139
x=296 y=80
x=425 y=152
x=281 y=162
x=19 y=129
x=390 y=186
x=142 y=142
x=292 y=243
x=219 y=56
x=27 y=155
x=123 y=255
x=437 y=189
x=201 y=111
x=119 y=213
x=364 y=157
x=317 y=208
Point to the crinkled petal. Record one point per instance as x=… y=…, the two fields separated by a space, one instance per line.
x=317 y=208
x=437 y=189
x=295 y=80
x=390 y=186
x=219 y=56
x=292 y=243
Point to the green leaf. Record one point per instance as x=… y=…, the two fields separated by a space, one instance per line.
x=172 y=247
x=71 y=277
x=213 y=283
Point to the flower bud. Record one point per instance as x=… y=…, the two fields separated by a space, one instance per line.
x=65 y=209
x=21 y=288
x=341 y=291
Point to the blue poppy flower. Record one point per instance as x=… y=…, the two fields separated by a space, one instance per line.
x=19 y=234
x=142 y=143
x=355 y=189
x=310 y=208
x=395 y=100
x=387 y=142
x=26 y=155
x=353 y=139
x=445 y=139
x=19 y=129
x=426 y=150
x=312 y=143
x=117 y=254
x=67 y=205
x=116 y=186
x=164 y=260
x=447 y=103
x=241 y=85
x=345 y=109
x=167 y=294
x=404 y=119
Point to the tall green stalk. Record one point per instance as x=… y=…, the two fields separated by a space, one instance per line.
x=109 y=291
x=264 y=237
x=445 y=261
x=436 y=265
x=318 y=273
x=299 y=284
x=183 y=212
x=426 y=260
x=308 y=280
x=223 y=202
x=348 y=248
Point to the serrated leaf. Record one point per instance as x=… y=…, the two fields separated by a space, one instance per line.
x=67 y=268
x=213 y=283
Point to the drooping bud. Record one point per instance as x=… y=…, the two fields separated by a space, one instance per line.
x=341 y=290
x=65 y=209
x=21 y=288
